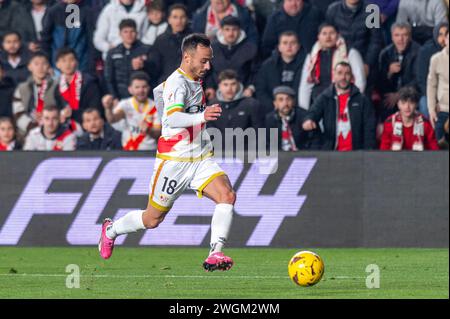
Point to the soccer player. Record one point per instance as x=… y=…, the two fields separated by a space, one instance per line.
x=183 y=159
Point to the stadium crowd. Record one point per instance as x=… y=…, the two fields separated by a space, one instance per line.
x=320 y=71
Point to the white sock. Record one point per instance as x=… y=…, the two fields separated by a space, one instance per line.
x=130 y=223
x=220 y=226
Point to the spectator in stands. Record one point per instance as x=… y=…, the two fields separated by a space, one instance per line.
x=295 y=15
x=238 y=111
x=349 y=16
x=12 y=17
x=354 y=128
x=77 y=90
x=31 y=96
x=142 y=124
x=207 y=19
x=8 y=140
x=430 y=48
x=168 y=44
x=263 y=9
x=107 y=32
x=423 y=16
x=155 y=24
x=50 y=135
x=130 y=56
x=6 y=94
x=232 y=50
x=32 y=22
x=329 y=50
x=98 y=135
x=397 y=67
x=388 y=10
x=56 y=33
x=282 y=68
x=14 y=57
x=288 y=119
x=408 y=129
x=438 y=89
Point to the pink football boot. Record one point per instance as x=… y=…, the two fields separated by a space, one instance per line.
x=217 y=261
x=105 y=245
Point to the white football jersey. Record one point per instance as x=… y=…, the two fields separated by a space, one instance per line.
x=182 y=94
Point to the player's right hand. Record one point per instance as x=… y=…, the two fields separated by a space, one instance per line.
x=213 y=112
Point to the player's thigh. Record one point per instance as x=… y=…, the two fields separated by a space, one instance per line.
x=168 y=182
x=211 y=181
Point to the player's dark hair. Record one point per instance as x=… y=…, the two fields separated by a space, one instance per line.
x=328 y=25
x=139 y=75
x=228 y=75
x=62 y=52
x=192 y=41
x=288 y=34
x=178 y=6
x=408 y=94
x=127 y=23
x=11 y=32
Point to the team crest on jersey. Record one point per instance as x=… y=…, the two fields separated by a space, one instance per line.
x=163 y=199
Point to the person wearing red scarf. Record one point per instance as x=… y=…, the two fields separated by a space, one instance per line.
x=77 y=91
x=408 y=129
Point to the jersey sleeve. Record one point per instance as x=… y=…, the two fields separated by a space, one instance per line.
x=174 y=98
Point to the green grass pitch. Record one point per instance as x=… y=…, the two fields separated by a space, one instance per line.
x=258 y=273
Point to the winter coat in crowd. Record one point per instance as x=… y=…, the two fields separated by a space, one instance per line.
x=305 y=24
x=239 y=57
x=168 y=46
x=19 y=73
x=110 y=139
x=361 y=113
x=424 y=56
x=352 y=26
x=56 y=34
x=407 y=74
x=275 y=72
x=118 y=67
x=107 y=34
x=6 y=96
x=12 y=18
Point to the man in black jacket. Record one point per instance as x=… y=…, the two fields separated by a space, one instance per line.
x=232 y=50
x=168 y=44
x=288 y=119
x=424 y=55
x=295 y=15
x=350 y=16
x=98 y=135
x=14 y=57
x=283 y=68
x=397 y=67
x=348 y=116
x=130 y=56
x=238 y=111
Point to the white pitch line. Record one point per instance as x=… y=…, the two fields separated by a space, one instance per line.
x=165 y=276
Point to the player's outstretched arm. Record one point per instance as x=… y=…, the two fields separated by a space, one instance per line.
x=181 y=119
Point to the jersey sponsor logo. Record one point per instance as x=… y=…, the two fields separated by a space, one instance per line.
x=88 y=206
x=195 y=109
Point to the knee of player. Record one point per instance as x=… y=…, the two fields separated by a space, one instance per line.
x=229 y=197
